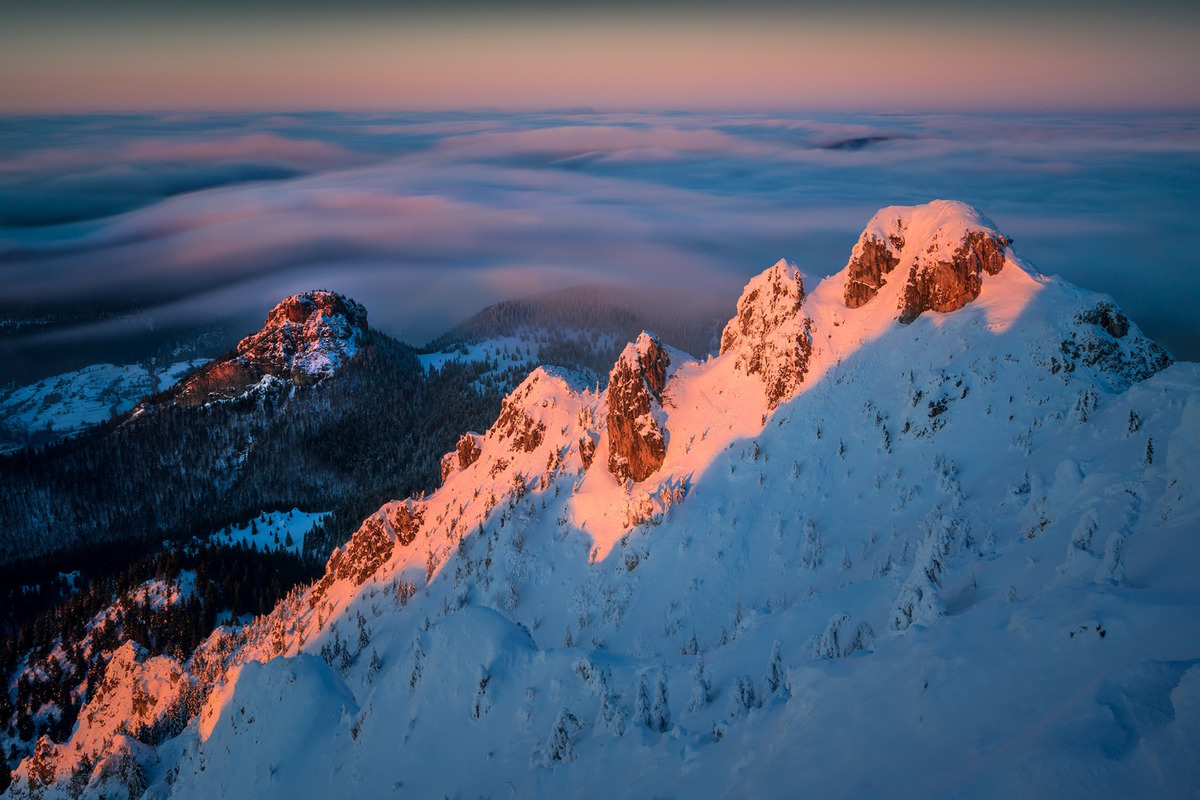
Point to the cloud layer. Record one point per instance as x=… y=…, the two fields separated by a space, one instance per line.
x=211 y=219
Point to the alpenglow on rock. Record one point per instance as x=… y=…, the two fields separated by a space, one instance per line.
x=637 y=441
x=945 y=247
x=306 y=337
x=771 y=336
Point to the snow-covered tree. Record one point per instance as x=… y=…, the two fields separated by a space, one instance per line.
x=375 y=666
x=560 y=747
x=1112 y=568
x=612 y=713
x=775 y=682
x=660 y=714
x=701 y=686
x=642 y=708
x=743 y=697
x=810 y=558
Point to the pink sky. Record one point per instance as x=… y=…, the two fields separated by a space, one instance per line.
x=863 y=60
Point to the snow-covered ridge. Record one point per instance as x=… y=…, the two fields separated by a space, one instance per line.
x=68 y=403
x=933 y=556
x=305 y=338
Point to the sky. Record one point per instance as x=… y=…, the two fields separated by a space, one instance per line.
x=58 y=55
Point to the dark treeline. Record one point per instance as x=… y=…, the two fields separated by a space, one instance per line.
x=373 y=432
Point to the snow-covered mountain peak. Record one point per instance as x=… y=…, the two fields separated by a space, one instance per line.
x=941 y=251
x=306 y=337
x=771 y=337
x=671 y=577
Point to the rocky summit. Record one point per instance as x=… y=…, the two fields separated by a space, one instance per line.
x=637 y=443
x=306 y=337
x=943 y=249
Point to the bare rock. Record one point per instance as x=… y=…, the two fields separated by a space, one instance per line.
x=465 y=453
x=771 y=335
x=938 y=284
x=870 y=263
x=1101 y=340
x=515 y=424
x=943 y=249
x=637 y=442
x=396 y=524
x=305 y=339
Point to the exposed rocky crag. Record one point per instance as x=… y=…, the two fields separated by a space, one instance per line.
x=396 y=524
x=938 y=284
x=305 y=338
x=870 y=263
x=1102 y=340
x=944 y=248
x=771 y=336
x=637 y=440
x=464 y=454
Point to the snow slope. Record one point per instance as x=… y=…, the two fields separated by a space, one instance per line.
x=947 y=556
x=68 y=403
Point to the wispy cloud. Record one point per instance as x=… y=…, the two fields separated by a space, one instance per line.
x=426 y=218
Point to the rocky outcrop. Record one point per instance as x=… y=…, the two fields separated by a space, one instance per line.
x=396 y=524
x=870 y=263
x=141 y=698
x=1103 y=341
x=515 y=424
x=944 y=248
x=939 y=284
x=465 y=453
x=771 y=336
x=637 y=441
x=306 y=338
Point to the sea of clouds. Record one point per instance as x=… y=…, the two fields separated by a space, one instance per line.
x=118 y=226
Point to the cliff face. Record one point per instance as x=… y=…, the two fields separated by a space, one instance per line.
x=394 y=525
x=306 y=337
x=937 y=284
x=873 y=259
x=944 y=248
x=771 y=337
x=464 y=454
x=637 y=438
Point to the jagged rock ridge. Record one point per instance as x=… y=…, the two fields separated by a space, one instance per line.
x=464 y=454
x=305 y=339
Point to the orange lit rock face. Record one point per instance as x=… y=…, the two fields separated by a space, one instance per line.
x=869 y=268
x=370 y=547
x=465 y=453
x=637 y=442
x=942 y=251
x=940 y=285
x=523 y=433
x=771 y=336
x=305 y=339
